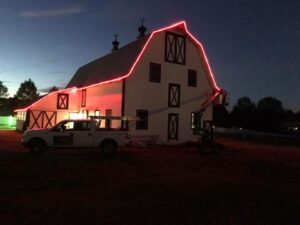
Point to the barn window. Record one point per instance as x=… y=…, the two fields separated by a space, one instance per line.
x=155 y=72
x=83 y=98
x=192 y=78
x=142 y=122
x=174 y=95
x=175 y=48
x=62 y=101
x=173 y=120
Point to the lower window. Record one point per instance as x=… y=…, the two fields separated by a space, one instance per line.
x=173 y=120
x=142 y=122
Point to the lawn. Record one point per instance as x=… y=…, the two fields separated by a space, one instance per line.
x=6 y=127
x=245 y=183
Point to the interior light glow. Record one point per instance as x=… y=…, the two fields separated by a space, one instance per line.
x=10 y=121
x=74 y=90
x=76 y=116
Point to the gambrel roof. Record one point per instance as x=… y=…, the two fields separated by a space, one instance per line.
x=110 y=66
x=119 y=65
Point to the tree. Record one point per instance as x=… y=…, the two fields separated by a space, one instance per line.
x=3 y=90
x=243 y=113
x=270 y=114
x=54 y=88
x=26 y=93
x=7 y=106
x=221 y=116
x=289 y=115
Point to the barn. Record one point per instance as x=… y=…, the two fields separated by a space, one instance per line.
x=156 y=82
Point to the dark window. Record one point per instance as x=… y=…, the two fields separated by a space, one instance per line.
x=192 y=78
x=174 y=95
x=82 y=125
x=83 y=98
x=175 y=48
x=108 y=113
x=62 y=101
x=142 y=122
x=155 y=72
x=173 y=119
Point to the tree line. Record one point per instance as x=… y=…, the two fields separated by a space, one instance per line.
x=26 y=94
x=267 y=115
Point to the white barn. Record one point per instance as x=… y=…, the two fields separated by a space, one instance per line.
x=160 y=78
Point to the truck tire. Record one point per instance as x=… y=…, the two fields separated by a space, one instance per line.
x=37 y=146
x=108 y=147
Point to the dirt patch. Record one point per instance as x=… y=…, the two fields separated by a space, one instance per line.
x=245 y=183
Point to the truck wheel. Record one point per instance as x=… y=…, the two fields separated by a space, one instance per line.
x=37 y=147
x=108 y=147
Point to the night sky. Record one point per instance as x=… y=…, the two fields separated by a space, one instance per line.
x=253 y=45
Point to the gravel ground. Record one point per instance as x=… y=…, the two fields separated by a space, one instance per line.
x=245 y=183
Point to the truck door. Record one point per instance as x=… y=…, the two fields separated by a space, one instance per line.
x=82 y=134
x=61 y=135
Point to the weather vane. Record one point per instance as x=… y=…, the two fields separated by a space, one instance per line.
x=142 y=21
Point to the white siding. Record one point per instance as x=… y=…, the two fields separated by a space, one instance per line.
x=142 y=94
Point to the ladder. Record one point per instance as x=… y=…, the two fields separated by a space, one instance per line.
x=205 y=130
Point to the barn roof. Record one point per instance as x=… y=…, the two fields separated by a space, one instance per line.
x=119 y=65
x=110 y=66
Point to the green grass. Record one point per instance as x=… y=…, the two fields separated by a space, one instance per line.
x=5 y=127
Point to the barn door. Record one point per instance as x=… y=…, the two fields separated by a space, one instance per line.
x=173 y=121
x=49 y=119
x=42 y=119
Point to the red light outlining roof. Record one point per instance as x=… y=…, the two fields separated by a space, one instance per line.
x=121 y=77
x=205 y=58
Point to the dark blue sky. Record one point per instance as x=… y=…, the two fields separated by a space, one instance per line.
x=253 y=45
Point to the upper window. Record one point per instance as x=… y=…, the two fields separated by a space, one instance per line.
x=62 y=101
x=175 y=48
x=155 y=72
x=192 y=78
x=83 y=98
x=142 y=122
x=174 y=95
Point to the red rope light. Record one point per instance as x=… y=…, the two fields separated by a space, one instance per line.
x=121 y=77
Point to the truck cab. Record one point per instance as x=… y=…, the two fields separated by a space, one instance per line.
x=74 y=134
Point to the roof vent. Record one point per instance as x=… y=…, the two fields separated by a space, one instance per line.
x=142 y=29
x=115 y=43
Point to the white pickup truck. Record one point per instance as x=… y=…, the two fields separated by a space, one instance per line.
x=75 y=133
